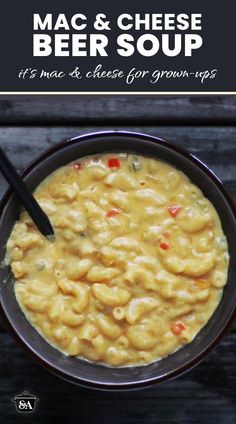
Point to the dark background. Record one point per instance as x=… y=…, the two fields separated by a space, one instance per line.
x=218 y=50
x=206 y=126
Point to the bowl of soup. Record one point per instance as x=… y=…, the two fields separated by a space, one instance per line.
x=138 y=284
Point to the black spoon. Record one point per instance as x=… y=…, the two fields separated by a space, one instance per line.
x=25 y=196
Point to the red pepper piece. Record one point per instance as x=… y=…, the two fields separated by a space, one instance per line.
x=112 y=212
x=113 y=163
x=164 y=245
x=177 y=328
x=174 y=210
x=77 y=166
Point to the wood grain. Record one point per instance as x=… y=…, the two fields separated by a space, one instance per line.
x=105 y=110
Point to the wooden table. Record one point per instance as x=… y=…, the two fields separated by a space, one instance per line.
x=206 y=126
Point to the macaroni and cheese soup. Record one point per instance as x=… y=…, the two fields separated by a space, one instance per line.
x=137 y=266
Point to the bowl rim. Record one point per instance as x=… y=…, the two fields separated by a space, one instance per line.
x=150 y=381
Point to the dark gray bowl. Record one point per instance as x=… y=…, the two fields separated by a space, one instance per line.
x=94 y=375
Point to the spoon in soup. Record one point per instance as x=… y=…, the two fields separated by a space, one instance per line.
x=26 y=198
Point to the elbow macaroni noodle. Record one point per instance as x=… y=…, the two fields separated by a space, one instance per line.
x=137 y=267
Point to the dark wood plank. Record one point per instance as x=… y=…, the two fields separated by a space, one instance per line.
x=119 y=109
x=205 y=395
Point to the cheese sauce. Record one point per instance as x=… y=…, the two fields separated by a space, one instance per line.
x=138 y=263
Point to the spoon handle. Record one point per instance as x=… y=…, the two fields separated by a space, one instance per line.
x=39 y=217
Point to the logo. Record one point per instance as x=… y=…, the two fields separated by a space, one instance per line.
x=25 y=402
